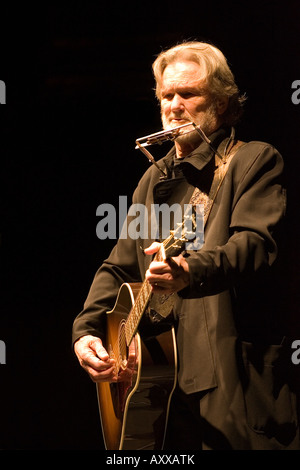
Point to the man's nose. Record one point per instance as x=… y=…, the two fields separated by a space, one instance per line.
x=177 y=103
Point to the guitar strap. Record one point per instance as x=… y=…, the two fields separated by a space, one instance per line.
x=163 y=304
x=222 y=165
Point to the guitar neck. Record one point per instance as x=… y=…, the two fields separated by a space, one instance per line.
x=142 y=299
x=137 y=311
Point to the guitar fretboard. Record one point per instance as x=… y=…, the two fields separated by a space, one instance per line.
x=137 y=311
x=142 y=299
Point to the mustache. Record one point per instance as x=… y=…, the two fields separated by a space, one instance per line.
x=168 y=120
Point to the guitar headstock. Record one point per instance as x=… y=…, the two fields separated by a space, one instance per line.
x=183 y=235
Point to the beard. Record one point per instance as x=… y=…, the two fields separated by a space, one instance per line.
x=207 y=122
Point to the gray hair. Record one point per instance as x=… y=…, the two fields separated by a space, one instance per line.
x=216 y=73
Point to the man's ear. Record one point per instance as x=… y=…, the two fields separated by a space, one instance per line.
x=222 y=104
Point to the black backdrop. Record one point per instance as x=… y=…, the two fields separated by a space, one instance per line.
x=79 y=92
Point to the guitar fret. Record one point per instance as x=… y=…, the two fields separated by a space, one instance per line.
x=137 y=311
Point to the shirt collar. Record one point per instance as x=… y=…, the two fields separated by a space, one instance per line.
x=203 y=154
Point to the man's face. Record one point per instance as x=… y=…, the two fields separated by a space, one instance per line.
x=185 y=98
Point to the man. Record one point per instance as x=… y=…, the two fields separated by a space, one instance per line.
x=232 y=390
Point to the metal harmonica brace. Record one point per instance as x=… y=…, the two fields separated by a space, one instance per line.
x=162 y=136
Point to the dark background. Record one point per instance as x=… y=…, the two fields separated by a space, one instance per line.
x=79 y=92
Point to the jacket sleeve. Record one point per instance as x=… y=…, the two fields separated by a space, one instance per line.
x=258 y=206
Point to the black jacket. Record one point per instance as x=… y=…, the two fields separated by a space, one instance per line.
x=231 y=334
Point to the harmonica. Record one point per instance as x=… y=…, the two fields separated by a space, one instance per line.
x=162 y=136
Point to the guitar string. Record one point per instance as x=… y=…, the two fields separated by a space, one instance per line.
x=132 y=317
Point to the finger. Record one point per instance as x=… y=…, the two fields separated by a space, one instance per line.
x=132 y=352
x=154 y=248
x=160 y=278
x=158 y=267
x=108 y=375
x=91 y=362
x=99 y=350
x=172 y=263
x=95 y=355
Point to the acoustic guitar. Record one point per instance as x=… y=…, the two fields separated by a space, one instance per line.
x=134 y=410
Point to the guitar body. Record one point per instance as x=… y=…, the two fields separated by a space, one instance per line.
x=134 y=411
